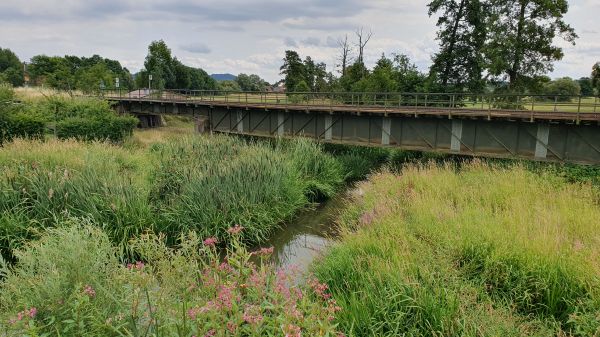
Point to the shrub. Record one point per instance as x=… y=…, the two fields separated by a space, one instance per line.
x=113 y=128
x=71 y=281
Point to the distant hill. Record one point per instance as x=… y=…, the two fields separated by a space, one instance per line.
x=223 y=77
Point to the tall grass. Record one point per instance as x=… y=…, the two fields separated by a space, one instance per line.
x=480 y=251
x=203 y=183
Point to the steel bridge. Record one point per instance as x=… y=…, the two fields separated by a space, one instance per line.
x=556 y=128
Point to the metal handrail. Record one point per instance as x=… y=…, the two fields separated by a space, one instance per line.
x=460 y=101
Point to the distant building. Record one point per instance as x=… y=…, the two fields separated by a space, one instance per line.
x=277 y=87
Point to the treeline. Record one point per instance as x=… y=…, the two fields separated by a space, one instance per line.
x=504 y=46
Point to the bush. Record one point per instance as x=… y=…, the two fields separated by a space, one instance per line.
x=113 y=128
x=71 y=282
x=14 y=123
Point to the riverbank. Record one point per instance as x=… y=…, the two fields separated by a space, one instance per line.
x=483 y=251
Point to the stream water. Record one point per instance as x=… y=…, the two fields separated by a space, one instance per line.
x=297 y=243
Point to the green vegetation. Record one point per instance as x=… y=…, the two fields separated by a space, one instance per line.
x=481 y=251
x=71 y=282
x=168 y=72
x=78 y=73
x=207 y=184
x=11 y=69
x=81 y=118
x=14 y=123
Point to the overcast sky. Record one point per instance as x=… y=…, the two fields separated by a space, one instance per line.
x=234 y=36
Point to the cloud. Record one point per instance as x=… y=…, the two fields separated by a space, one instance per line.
x=197 y=48
x=311 y=41
x=289 y=42
x=247 y=35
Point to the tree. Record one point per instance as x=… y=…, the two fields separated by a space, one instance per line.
x=11 y=68
x=293 y=69
x=159 y=63
x=310 y=72
x=596 y=77
x=458 y=65
x=407 y=75
x=250 y=82
x=585 y=83
x=229 y=86
x=521 y=36
x=562 y=89
x=382 y=78
x=322 y=78
x=93 y=78
x=344 y=54
x=201 y=80
x=182 y=76
x=363 y=39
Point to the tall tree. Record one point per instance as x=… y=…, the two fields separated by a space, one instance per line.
x=344 y=57
x=521 y=36
x=159 y=64
x=310 y=72
x=363 y=39
x=293 y=69
x=458 y=65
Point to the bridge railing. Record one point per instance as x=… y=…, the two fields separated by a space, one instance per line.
x=372 y=100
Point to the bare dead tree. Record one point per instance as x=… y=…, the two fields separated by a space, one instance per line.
x=363 y=39
x=344 y=53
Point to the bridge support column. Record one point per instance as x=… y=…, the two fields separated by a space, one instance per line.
x=280 y=124
x=240 y=121
x=328 y=128
x=541 y=142
x=456 y=135
x=386 y=129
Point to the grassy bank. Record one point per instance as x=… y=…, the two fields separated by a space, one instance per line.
x=207 y=184
x=481 y=251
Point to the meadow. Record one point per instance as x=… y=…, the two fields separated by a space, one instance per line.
x=480 y=251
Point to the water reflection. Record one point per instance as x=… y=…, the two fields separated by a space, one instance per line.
x=301 y=240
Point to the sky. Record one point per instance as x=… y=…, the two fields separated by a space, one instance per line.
x=249 y=36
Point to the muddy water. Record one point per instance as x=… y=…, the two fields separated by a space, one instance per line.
x=302 y=239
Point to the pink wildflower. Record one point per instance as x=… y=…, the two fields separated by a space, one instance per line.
x=232 y=327
x=292 y=330
x=211 y=333
x=139 y=265
x=264 y=251
x=252 y=314
x=32 y=312
x=237 y=229
x=88 y=290
x=210 y=242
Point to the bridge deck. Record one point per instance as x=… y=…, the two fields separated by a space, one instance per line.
x=560 y=130
x=492 y=113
